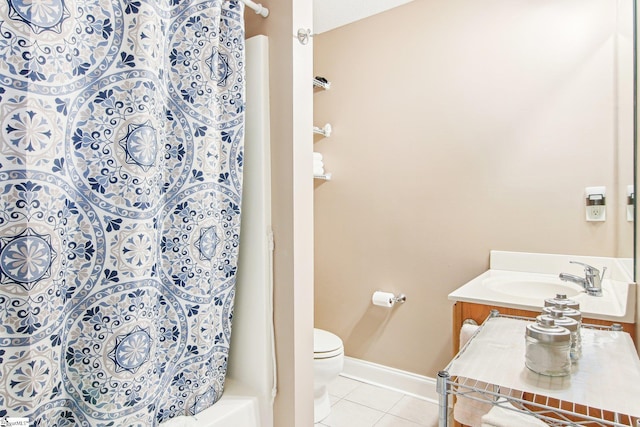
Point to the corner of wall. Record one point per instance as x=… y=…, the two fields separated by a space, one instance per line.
x=292 y=208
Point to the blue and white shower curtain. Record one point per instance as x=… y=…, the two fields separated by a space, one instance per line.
x=121 y=151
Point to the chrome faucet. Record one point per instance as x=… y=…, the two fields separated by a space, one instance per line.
x=592 y=280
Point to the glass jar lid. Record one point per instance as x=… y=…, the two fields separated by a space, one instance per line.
x=560 y=320
x=566 y=311
x=545 y=330
x=562 y=298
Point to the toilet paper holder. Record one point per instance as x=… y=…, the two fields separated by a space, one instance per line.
x=401 y=298
x=387 y=299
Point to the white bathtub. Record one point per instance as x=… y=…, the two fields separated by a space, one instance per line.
x=238 y=411
x=236 y=408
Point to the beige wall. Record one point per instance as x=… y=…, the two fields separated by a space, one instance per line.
x=460 y=126
x=292 y=204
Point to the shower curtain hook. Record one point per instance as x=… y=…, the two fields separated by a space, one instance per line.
x=304 y=35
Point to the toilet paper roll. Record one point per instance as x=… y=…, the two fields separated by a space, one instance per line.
x=383 y=299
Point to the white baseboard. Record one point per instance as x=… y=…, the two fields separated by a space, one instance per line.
x=406 y=382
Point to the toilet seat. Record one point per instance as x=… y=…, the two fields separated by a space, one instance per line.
x=326 y=344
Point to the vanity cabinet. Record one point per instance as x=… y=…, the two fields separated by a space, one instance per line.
x=479 y=312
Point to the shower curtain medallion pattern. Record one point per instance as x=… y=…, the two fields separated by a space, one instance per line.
x=120 y=182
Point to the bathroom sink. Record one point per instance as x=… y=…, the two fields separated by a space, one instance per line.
x=523 y=281
x=538 y=289
x=527 y=291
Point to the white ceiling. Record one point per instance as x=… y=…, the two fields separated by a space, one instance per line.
x=330 y=14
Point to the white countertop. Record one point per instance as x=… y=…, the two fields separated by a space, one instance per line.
x=541 y=271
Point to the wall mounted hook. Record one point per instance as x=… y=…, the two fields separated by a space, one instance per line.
x=324 y=131
x=303 y=35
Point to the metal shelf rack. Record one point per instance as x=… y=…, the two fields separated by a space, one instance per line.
x=552 y=411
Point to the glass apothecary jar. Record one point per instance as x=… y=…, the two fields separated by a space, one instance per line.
x=548 y=348
x=576 y=335
x=574 y=330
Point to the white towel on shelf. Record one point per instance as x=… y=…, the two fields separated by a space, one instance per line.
x=466 y=332
x=318 y=164
x=318 y=171
x=500 y=416
x=471 y=410
x=468 y=410
x=317 y=156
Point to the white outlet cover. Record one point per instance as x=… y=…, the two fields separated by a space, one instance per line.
x=596 y=213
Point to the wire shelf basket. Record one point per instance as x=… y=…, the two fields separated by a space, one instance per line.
x=551 y=411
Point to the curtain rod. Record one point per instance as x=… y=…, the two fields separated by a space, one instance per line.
x=260 y=10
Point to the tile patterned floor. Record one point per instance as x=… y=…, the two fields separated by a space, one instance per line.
x=357 y=404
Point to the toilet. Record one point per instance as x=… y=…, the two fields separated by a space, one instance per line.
x=328 y=360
